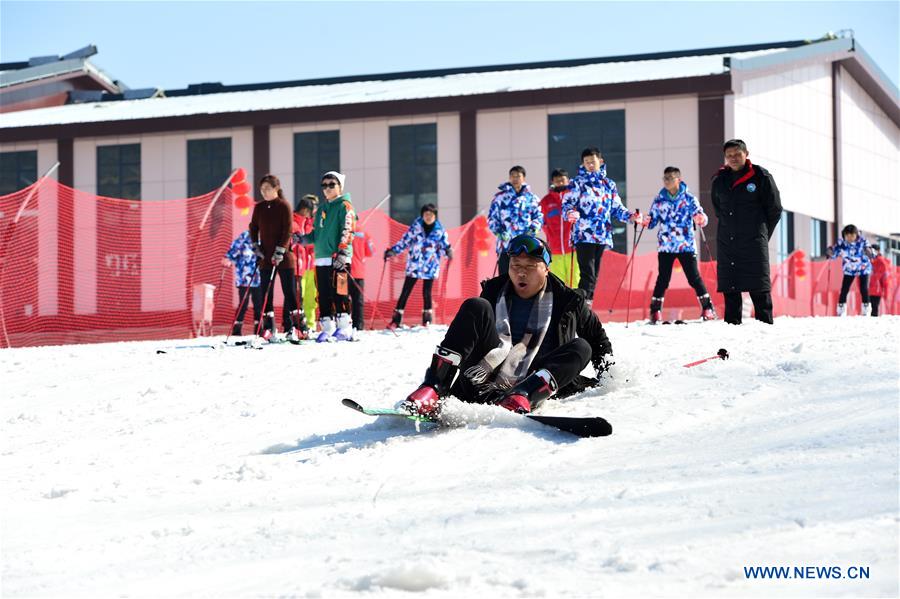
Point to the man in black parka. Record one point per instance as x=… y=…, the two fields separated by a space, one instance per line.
x=525 y=339
x=748 y=207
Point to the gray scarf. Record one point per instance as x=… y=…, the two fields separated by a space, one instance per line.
x=507 y=364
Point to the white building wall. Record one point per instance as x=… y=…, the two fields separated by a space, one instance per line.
x=870 y=153
x=786 y=119
x=46 y=202
x=365 y=159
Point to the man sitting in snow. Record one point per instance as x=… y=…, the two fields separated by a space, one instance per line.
x=526 y=338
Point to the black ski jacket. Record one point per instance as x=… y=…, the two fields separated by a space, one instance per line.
x=570 y=318
x=748 y=207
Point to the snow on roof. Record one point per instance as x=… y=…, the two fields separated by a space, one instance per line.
x=413 y=88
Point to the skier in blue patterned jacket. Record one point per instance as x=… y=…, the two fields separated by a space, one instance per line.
x=246 y=279
x=427 y=243
x=515 y=210
x=590 y=204
x=856 y=253
x=675 y=211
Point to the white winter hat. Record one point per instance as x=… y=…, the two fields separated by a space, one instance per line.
x=336 y=175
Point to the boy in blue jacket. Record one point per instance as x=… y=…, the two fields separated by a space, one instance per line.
x=856 y=263
x=590 y=204
x=675 y=210
x=427 y=242
x=515 y=210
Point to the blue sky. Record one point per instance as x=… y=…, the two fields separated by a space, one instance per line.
x=172 y=44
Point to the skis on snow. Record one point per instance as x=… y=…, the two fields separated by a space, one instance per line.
x=582 y=427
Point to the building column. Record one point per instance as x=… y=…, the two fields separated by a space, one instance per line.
x=260 y=157
x=468 y=166
x=710 y=136
x=836 y=86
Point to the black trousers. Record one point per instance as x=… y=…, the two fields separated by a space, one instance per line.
x=688 y=263
x=762 y=306
x=256 y=294
x=408 y=285
x=357 y=302
x=473 y=333
x=330 y=303
x=876 y=302
x=863 y=288
x=589 y=256
x=288 y=289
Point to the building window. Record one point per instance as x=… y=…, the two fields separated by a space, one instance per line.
x=119 y=171
x=209 y=164
x=18 y=170
x=315 y=153
x=818 y=237
x=413 y=170
x=785 y=235
x=569 y=134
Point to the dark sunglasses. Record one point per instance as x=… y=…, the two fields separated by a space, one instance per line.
x=526 y=244
x=329 y=185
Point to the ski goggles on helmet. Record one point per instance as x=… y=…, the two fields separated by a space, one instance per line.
x=531 y=245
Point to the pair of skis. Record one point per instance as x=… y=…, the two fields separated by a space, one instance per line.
x=581 y=427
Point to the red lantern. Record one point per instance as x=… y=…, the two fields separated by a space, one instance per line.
x=240 y=175
x=242 y=202
x=241 y=189
x=799 y=254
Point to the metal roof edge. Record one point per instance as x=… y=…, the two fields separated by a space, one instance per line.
x=811 y=50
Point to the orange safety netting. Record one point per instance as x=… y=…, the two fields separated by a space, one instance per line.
x=78 y=268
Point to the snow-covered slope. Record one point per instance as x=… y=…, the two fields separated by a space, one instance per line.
x=233 y=472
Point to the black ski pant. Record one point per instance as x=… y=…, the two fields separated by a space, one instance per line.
x=408 y=285
x=256 y=294
x=589 y=256
x=762 y=306
x=473 y=333
x=863 y=288
x=688 y=263
x=876 y=302
x=288 y=289
x=357 y=301
x=330 y=303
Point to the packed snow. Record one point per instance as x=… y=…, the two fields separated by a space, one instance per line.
x=232 y=472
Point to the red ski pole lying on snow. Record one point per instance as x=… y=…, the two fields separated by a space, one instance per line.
x=721 y=354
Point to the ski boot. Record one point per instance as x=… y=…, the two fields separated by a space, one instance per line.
x=707 y=310
x=344 y=330
x=427 y=316
x=530 y=393
x=842 y=309
x=299 y=330
x=396 y=319
x=867 y=309
x=656 y=310
x=268 y=332
x=236 y=328
x=326 y=323
x=427 y=399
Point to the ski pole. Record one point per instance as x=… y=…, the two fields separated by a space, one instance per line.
x=627 y=266
x=637 y=213
x=378 y=292
x=722 y=354
x=241 y=302
x=265 y=305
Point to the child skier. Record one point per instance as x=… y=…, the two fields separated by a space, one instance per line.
x=514 y=210
x=246 y=279
x=590 y=203
x=427 y=242
x=881 y=279
x=675 y=210
x=855 y=250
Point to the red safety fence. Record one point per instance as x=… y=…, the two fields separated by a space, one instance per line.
x=79 y=268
